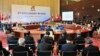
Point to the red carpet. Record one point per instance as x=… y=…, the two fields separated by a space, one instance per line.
x=3 y=38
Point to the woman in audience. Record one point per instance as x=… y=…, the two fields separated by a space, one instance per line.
x=3 y=50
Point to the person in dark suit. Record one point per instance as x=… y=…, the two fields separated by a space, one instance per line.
x=63 y=38
x=45 y=46
x=28 y=37
x=79 y=41
x=5 y=52
x=29 y=40
x=22 y=47
x=12 y=37
x=69 y=46
x=48 y=38
x=90 y=48
x=49 y=28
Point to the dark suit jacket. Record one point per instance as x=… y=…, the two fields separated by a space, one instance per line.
x=29 y=38
x=62 y=40
x=68 y=47
x=79 y=40
x=44 y=47
x=21 y=48
x=90 y=48
x=47 y=39
x=5 y=52
x=12 y=39
x=49 y=29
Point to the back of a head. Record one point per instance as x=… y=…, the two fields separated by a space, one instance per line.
x=89 y=42
x=47 y=33
x=21 y=41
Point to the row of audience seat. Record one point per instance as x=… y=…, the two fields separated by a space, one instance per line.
x=49 y=53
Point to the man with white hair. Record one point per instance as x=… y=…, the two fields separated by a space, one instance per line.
x=22 y=47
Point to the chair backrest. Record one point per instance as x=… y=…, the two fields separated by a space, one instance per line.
x=29 y=42
x=19 y=53
x=44 y=53
x=93 y=53
x=12 y=44
x=31 y=46
x=69 y=53
x=60 y=46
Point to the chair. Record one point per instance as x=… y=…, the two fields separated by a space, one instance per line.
x=69 y=53
x=44 y=53
x=19 y=53
x=93 y=53
x=80 y=44
x=30 y=44
x=60 y=46
x=12 y=44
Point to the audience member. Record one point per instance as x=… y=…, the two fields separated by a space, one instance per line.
x=45 y=46
x=90 y=48
x=22 y=47
x=4 y=51
x=49 y=28
x=49 y=39
x=79 y=41
x=11 y=37
x=63 y=38
x=69 y=46
x=28 y=37
x=29 y=41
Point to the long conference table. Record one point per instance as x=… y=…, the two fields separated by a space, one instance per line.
x=36 y=33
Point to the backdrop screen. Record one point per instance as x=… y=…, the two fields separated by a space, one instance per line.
x=28 y=13
x=67 y=16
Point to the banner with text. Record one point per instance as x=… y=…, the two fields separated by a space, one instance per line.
x=27 y=13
